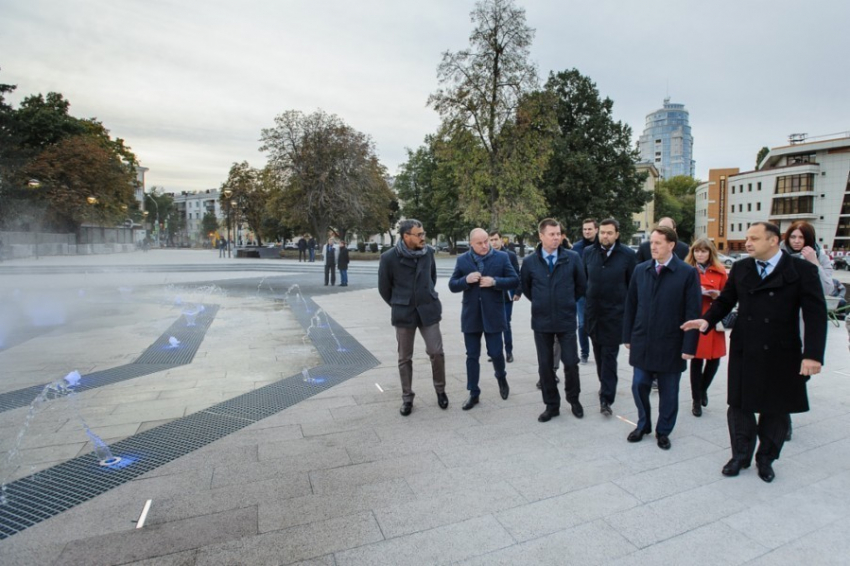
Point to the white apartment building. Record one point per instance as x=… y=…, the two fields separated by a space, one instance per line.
x=806 y=180
x=193 y=206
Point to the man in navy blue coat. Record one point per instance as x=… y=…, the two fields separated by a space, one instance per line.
x=553 y=280
x=664 y=293
x=483 y=274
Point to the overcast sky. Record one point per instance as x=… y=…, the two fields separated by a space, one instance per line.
x=190 y=84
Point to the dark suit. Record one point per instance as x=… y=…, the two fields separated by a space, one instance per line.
x=553 y=297
x=483 y=310
x=765 y=350
x=330 y=264
x=644 y=253
x=656 y=306
x=608 y=277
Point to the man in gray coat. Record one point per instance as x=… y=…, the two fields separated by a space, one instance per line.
x=406 y=277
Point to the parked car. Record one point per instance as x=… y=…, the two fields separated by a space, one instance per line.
x=290 y=246
x=726 y=260
x=841 y=263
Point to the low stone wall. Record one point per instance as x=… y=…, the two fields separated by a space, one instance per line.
x=22 y=251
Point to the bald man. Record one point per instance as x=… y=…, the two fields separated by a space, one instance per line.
x=483 y=274
x=680 y=251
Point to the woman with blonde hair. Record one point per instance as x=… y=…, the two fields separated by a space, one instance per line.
x=712 y=345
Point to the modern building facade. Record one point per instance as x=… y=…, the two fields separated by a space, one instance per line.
x=667 y=142
x=193 y=206
x=809 y=179
x=645 y=219
x=712 y=214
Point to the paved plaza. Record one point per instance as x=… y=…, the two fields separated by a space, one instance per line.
x=328 y=472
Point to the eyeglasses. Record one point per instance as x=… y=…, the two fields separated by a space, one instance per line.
x=416 y=235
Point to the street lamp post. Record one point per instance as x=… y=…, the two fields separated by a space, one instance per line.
x=153 y=200
x=35 y=184
x=228 y=193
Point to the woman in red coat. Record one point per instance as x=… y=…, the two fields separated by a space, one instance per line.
x=712 y=345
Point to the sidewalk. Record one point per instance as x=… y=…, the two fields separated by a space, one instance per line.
x=342 y=478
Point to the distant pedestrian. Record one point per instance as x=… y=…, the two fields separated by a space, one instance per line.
x=302 y=249
x=663 y=294
x=1 y=250
x=342 y=264
x=681 y=250
x=407 y=275
x=222 y=247
x=311 y=247
x=589 y=233
x=330 y=262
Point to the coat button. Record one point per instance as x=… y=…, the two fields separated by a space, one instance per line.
x=766 y=321
x=749 y=318
x=771 y=293
x=766 y=347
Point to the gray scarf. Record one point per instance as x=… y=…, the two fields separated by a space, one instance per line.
x=404 y=251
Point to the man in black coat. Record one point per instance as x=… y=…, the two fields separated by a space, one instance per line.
x=330 y=262
x=609 y=266
x=342 y=264
x=406 y=278
x=482 y=274
x=663 y=294
x=510 y=296
x=553 y=280
x=302 y=249
x=589 y=236
x=311 y=248
x=768 y=363
x=681 y=250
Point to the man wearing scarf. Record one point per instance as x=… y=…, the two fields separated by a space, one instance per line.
x=483 y=274
x=406 y=277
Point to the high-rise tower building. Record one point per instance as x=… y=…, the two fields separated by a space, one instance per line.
x=667 y=142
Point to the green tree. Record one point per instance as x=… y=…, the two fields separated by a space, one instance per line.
x=483 y=92
x=209 y=225
x=251 y=190
x=591 y=173
x=676 y=197
x=330 y=174
x=761 y=155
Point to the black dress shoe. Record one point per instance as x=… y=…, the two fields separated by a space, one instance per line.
x=471 y=402
x=548 y=414
x=503 y=387
x=557 y=379
x=443 y=400
x=637 y=435
x=733 y=467
x=605 y=408
x=509 y=358
x=663 y=441
x=406 y=409
x=538 y=385
x=489 y=359
x=697 y=410
x=577 y=409
x=704 y=400
x=789 y=434
x=765 y=471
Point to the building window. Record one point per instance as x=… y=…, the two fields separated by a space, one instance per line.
x=792 y=205
x=739 y=227
x=749 y=187
x=733 y=189
x=758 y=186
x=758 y=206
x=749 y=207
x=732 y=227
x=740 y=208
x=799 y=159
x=795 y=183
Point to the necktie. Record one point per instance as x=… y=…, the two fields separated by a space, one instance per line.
x=551 y=259
x=658 y=268
x=763 y=268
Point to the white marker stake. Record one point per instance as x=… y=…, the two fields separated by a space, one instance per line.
x=141 y=522
x=626 y=420
x=379 y=388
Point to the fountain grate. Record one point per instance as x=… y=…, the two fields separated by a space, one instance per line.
x=35 y=498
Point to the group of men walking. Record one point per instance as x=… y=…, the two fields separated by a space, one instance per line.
x=649 y=301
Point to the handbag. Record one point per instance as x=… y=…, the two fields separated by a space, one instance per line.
x=728 y=321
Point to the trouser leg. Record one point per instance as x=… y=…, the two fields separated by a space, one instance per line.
x=472 y=341
x=569 y=357
x=509 y=337
x=405 y=338
x=434 y=348
x=493 y=341
x=742 y=433
x=772 y=429
x=582 y=334
x=544 y=342
x=696 y=379
x=606 y=370
x=641 y=386
x=668 y=402
x=708 y=374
